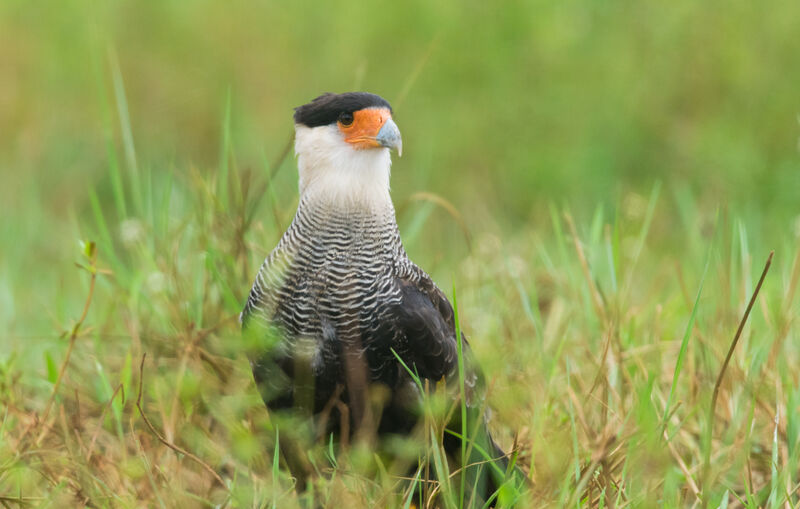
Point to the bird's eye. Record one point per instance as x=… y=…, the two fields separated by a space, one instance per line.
x=346 y=119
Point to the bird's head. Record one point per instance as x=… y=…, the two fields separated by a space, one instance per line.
x=342 y=143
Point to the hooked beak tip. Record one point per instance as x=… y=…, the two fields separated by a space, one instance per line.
x=389 y=137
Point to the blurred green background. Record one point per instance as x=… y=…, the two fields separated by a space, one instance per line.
x=506 y=109
x=154 y=128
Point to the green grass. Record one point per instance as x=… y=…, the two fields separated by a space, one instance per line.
x=601 y=184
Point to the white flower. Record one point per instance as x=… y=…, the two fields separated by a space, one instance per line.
x=156 y=282
x=131 y=231
x=634 y=205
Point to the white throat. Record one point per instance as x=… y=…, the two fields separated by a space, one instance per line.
x=333 y=172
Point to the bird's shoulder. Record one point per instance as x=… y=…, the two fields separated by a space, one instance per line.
x=425 y=317
x=430 y=324
x=414 y=284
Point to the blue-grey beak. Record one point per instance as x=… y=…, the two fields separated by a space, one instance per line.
x=389 y=137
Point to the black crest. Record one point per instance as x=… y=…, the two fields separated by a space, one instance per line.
x=326 y=108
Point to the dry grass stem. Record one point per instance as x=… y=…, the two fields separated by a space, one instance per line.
x=720 y=376
x=161 y=439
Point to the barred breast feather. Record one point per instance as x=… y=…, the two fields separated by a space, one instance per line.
x=340 y=281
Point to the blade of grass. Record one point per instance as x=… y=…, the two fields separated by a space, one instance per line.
x=462 y=394
x=224 y=156
x=267 y=187
x=648 y=218
x=442 y=472
x=102 y=228
x=715 y=394
x=412 y=488
x=610 y=258
x=532 y=313
x=411 y=373
x=125 y=129
x=487 y=457
x=774 y=479
x=108 y=132
x=685 y=342
x=276 y=468
x=573 y=429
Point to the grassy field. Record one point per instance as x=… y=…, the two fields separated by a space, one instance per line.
x=600 y=184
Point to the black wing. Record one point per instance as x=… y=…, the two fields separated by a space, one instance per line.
x=426 y=319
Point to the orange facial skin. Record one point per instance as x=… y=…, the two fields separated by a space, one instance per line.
x=365 y=127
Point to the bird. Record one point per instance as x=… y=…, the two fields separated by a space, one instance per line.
x=338 y=312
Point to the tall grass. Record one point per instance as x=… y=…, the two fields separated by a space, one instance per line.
x=590 y=381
